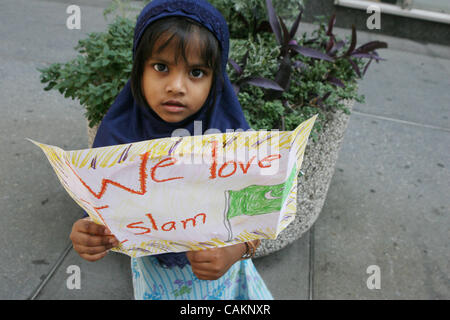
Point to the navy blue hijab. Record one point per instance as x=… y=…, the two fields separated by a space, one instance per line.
x=128 y=122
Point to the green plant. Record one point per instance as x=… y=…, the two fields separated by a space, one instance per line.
x=281 y=78
x=316 y=74
x=124 y=7
x=250 y=16
x=96 y=76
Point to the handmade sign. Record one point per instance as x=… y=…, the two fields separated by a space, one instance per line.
x=187 y=193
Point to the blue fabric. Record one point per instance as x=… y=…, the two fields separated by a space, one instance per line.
x=153 y=282
x=127 y=122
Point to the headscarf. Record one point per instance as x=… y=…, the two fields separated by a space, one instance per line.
x=127 y=122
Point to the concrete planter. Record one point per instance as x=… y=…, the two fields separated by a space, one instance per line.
x=318 y=167
x=91 y=134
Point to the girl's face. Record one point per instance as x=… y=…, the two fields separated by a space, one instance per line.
x=174 y=89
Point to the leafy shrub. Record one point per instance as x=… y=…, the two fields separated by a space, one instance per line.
x=250 y=16
x=99 y=72
x=281 y=78
x=314 y=75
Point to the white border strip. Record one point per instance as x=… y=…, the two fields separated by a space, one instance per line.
x=396 y=10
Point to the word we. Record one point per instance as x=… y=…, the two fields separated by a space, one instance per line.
x=74 y=20
x=168 y=226
x=374 y=21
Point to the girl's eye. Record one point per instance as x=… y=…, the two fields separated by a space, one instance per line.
x=197 y=73
x=160 y=67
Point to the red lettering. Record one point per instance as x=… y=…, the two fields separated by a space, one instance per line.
x=149 y=215
x=105 y=182
x=269 y=159
x=244 y=170
x=172 y=227
x=184 y=222
x=160 y=165
x=133 y=226
x=168 y=226
x=224 y=166
x=99 y=214
x=213 y=167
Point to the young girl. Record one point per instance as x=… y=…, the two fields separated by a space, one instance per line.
x=180 y=54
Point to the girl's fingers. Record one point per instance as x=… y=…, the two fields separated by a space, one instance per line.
x=90 y=227
x=94 y=241
x=82 y=250
x=90 y=240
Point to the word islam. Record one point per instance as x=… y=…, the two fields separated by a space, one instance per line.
x=229 y=309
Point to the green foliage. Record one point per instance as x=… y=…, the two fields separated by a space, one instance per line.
x=123 y=7
x=305 y=87
x=96 y=76
x=103 y=66
x=246 y=16
x=262 y=58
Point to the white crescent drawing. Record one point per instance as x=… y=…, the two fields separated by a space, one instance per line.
x=268 y=196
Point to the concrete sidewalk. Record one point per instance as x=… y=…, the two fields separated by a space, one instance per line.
x=387 y=204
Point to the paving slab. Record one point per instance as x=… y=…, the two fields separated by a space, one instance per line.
x=37 y=214
x=388 y=203
x=408 y=87
x=106 y=279
x=36 y=211
x=285 y=273
x=387 y=206
x=36 y=30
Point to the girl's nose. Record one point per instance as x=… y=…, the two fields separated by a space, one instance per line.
x=176 y=84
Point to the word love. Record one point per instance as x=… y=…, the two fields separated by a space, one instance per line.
x=225 y=170
x=263 y=163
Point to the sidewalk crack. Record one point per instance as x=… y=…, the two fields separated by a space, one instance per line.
x=311 y=265
x=52 y=271
x=400 y=121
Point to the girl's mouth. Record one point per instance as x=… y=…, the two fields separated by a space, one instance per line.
x=173 y=106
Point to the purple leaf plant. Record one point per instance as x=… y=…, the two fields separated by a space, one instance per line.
x=330 y=50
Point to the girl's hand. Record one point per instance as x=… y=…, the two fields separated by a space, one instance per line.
x=211 y=264
x=90 y=240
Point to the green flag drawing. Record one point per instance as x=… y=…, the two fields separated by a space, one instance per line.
x=256 y=200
